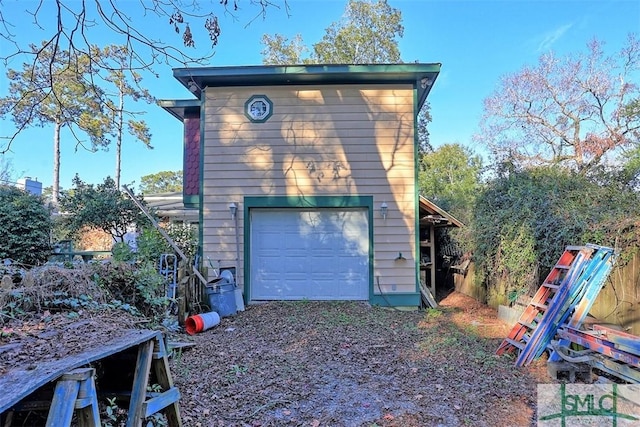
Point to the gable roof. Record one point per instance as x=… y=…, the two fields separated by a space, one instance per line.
x=421 y=76
x=432 y=213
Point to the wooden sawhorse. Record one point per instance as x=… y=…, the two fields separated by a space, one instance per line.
x=76 y=390
x=153 y=354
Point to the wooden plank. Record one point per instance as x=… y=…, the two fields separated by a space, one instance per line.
x=427 y=297
x=169 y=398
x=177 y=345
x=140 y=382
x=63 y=403
x=161 y=401
x=22 y=382
x=600 y=345
x=620 y=370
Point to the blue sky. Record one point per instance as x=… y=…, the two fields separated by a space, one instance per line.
x=476 y=41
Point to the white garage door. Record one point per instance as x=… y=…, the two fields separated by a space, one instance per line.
x=309 y=254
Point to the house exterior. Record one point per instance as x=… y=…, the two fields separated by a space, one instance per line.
x=305 y=177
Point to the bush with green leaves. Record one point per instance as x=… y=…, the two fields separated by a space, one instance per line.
x=25 y=227
x=122 y=252
x=151 y=244
x=102 y=206
x=525 y=218
x=150 y=287
x=184 y=236
x=138 y=288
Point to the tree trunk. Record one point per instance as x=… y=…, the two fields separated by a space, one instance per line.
x=119 y=136
x=55 y=193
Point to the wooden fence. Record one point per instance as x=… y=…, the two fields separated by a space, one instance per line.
x=617 y=304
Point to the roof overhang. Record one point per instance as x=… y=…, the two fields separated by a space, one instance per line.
x=171 y=206
x=420 y=76
x=180 y=108
x=433 y=214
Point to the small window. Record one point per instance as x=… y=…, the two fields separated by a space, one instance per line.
x=258 y=108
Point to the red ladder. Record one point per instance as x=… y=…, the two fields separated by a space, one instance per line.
x=534 y=314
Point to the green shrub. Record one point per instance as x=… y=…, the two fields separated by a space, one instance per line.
x=524 y=219
x=138 y=288
x=150 y=286
x=151 y=245
x=122 y=252
x=25 y=227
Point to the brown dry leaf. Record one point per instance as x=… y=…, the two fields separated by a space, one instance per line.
x=292 y=364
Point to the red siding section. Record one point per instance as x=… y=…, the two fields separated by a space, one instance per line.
x=191 y=167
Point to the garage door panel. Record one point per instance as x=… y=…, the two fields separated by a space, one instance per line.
x=291 y=242
x=319 y=254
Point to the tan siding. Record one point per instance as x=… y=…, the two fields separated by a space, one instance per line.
x=329 y=141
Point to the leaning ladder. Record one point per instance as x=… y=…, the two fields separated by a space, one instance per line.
x=526 y=335
x=593 y=280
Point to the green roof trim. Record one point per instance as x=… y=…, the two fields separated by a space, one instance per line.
x=179 y=108
x=421 y=76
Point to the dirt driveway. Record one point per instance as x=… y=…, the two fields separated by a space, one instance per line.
x=350 y=364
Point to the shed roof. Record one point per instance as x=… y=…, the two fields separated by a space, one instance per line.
x=420 y=75
x=171 y=205
x=433 y=214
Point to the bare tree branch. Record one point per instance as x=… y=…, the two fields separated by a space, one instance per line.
x=75 y=24
x=571 y=111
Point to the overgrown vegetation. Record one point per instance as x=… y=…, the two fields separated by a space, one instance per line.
x=83 y=288
x=564 y=138
x=150 y=244
x=525 y=218
x=129 y=283
x=102 y=206
x=25 y=223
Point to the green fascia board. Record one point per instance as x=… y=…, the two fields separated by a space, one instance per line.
x=422 y=76
x=346 y=201
x=178 y=108
x=191 y=201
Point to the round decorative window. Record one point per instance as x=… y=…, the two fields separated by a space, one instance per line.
x=258 y=108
